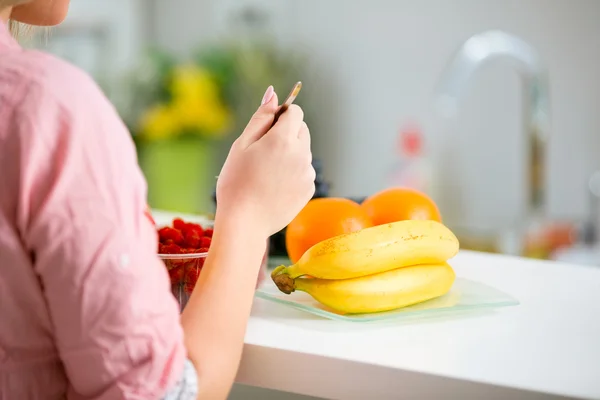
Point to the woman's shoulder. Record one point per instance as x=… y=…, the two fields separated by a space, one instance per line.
x=32 y=77
x=54 y=103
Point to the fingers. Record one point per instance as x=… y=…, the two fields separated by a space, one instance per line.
x=290 y=121
x=304 y=148
x=291 y=133
x=304 y=141
x=261 y=121
x=311 y=175
x=304 y=136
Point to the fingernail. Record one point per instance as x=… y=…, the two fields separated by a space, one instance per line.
x=268 y=95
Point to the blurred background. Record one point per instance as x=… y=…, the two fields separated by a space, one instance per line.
x=489 y=106
x=492 y=107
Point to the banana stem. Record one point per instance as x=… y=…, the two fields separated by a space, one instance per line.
x=283 y=281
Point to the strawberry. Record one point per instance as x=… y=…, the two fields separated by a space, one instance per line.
x=188 y=288
x=208 y=232
x=176 y=274
x=205 y=242
x=195 y=226
x=174 y=235
x=192 y=273
x=177 y=263
x=191 y=227
x=178 y=223
x=192 y=239
x=171 y=248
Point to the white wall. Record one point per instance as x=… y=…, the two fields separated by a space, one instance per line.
x=384 y=56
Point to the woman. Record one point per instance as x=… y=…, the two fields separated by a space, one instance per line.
x=86 y=308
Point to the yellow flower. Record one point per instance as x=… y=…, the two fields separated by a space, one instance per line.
x=160 y=122
x=186 y=111
x=196 y=106
x=191 y=82
x=197 y=101
x=217 y=120
x=204 y=117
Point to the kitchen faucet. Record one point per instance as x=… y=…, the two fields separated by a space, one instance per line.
x=471 y=55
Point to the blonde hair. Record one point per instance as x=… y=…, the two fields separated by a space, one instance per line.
x=15 y=27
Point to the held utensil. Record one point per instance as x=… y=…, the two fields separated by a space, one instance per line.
x=286 y=104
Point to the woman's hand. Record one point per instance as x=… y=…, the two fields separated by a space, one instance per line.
x=268 y=176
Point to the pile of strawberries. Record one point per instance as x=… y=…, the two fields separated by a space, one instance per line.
x=185 y=238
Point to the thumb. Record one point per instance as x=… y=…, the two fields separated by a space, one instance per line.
x=261 y=121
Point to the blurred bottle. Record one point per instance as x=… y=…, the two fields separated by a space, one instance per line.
x=586 y=249
x=321 y=186
x=412 y=167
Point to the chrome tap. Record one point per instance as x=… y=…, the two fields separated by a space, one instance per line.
x=486 y=47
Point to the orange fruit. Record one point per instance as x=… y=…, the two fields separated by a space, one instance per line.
x=399 y=204
x=322 y=219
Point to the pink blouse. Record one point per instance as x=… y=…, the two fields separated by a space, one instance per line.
x=85 y=306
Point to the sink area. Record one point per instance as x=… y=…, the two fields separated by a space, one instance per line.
x=522 y=237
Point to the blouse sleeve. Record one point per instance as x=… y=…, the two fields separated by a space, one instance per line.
x=81 y=214
x=186 y=387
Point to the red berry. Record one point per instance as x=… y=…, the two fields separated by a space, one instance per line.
x=208 y=232
x=176 y=263
x=195 y=226
x=171 y=234
x=205 y=242
x=176 y=274
x=188 y=288
x=162 y=233
x=191 y=227
x=192 y=239
x=169 y=249
x=178 y=224
x=202 y=250
x=192 y=273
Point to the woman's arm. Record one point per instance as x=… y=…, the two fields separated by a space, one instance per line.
x=215 y=318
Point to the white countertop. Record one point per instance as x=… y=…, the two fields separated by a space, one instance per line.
x=547 y=345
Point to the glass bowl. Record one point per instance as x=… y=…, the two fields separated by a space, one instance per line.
x=184 y=270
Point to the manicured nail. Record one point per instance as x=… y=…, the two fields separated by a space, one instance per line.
x=268 y=95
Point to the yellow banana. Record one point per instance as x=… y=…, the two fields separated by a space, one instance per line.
x=384 y=291
x=376 y=249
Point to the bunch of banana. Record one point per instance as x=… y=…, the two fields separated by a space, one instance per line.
x=376 y=269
